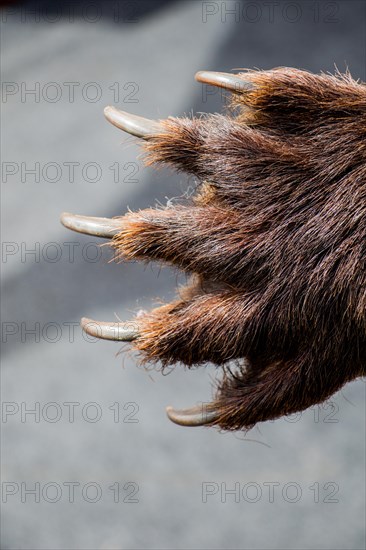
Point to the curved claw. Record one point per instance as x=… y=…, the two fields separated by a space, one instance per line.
x=99 y=227
x=132 y=124
x=121 y=332
x=195 y=416
x=228 y=81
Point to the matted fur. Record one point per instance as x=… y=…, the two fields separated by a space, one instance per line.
x=275 y=238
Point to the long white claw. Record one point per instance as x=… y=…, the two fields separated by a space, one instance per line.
x=132 y=124
x=228 y=81
x=195 y=416
x=99 y=227
x=120 y=332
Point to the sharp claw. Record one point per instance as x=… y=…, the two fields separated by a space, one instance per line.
x=231 y=82
x=99 y=227
x=121 y=332
x=195 y=416
x=132 y=124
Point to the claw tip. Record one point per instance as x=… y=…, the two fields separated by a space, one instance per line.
x=107 y=109
x=196 y=416
x=64 y=217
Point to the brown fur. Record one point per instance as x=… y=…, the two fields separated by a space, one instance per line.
x=275 y=238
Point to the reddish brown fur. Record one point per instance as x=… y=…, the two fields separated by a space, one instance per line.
x=275 y=238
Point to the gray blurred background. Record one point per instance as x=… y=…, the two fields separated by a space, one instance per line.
x=99 y=425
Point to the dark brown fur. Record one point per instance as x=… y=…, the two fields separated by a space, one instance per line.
x=275 y=239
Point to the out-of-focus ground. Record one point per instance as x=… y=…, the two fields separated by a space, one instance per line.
x=298 y=482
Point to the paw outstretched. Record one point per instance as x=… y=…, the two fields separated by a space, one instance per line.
x=274 y=238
